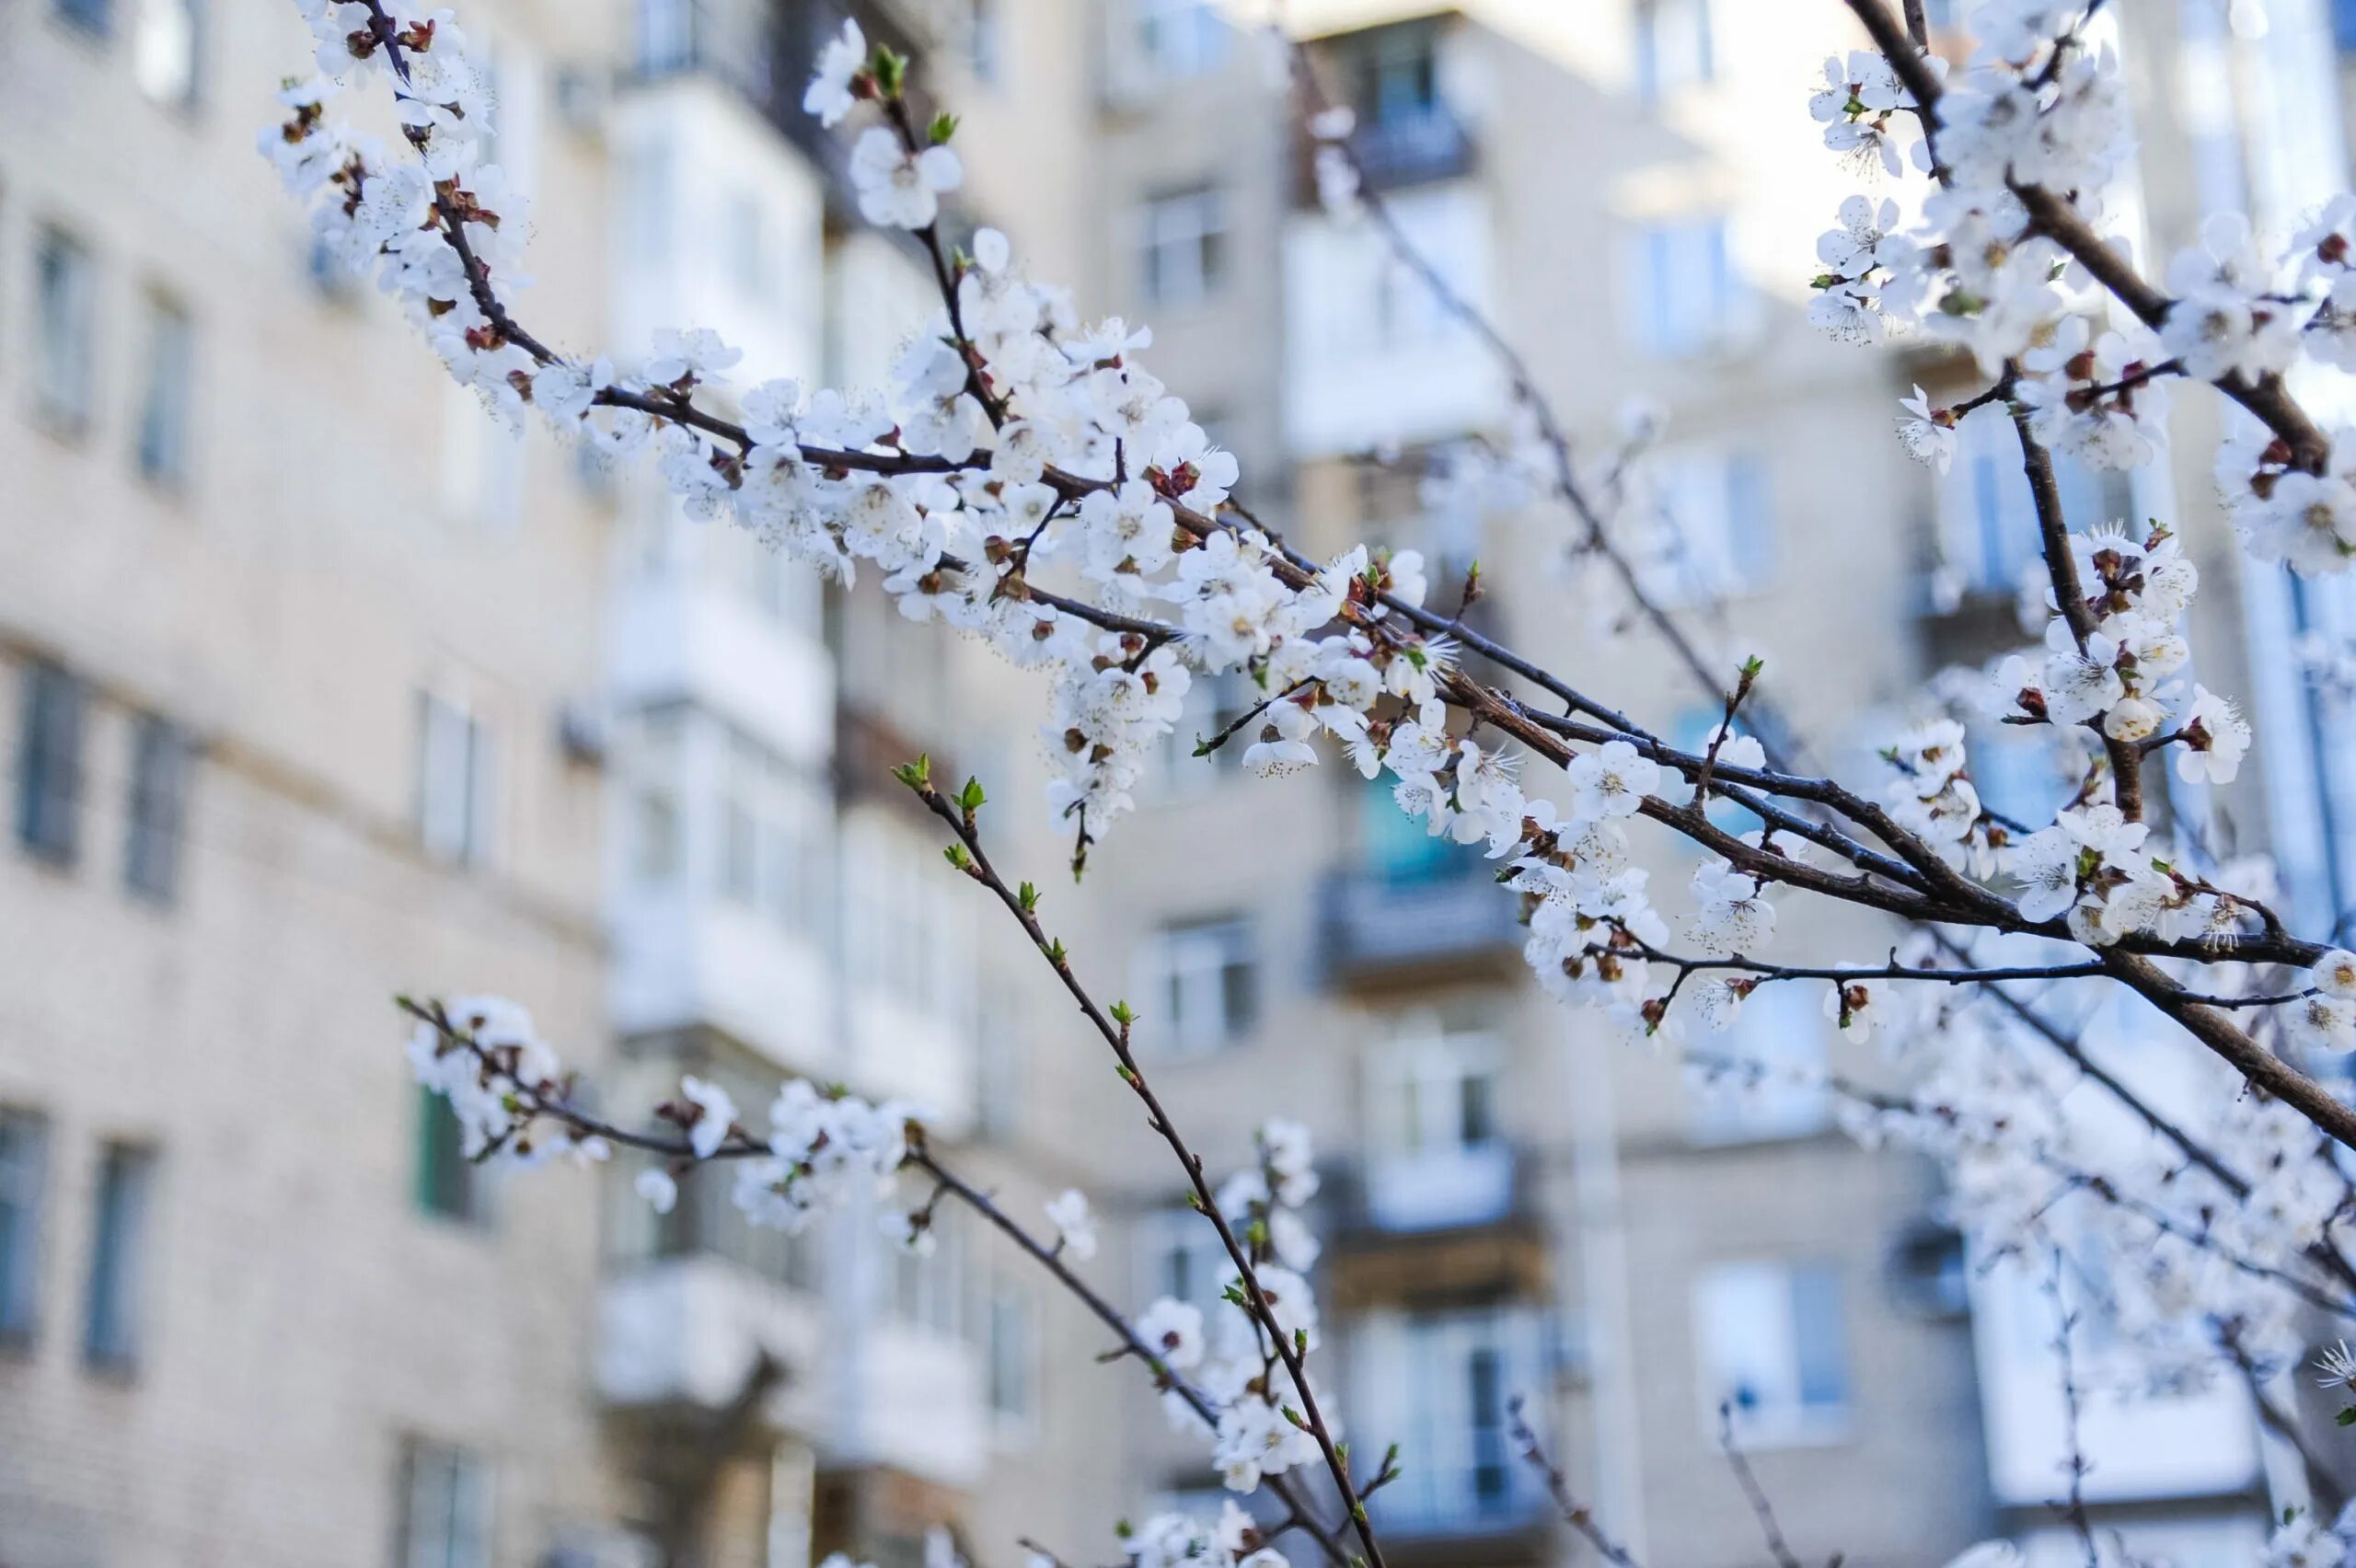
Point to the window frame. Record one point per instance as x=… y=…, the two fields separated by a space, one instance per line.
x=162 y=440
x=91 y=18
x=444 y=1183
x=187 y=84
x=1189 y=223
x=1156 y=28
x=454 y=831
x=468 y=1513
x=1739 y=1298
x=1659 y=266
x=1173 y=957
x=123 y=1232
x=52 y=732
x=24 y=1146
x=1695 y=65
x=64 y=331
x=156 y=809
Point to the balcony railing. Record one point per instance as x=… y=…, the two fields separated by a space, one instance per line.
x=1411 y=149
x=1441 y=1189
x=1376 y=926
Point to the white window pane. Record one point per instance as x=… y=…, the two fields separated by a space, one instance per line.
x=163 y=52
x=66 y=290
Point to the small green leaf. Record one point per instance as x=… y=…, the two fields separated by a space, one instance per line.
x=943 y=126
x=1123 y=1014
x=971 y=798
x=2346 y=1416
x=955 y=854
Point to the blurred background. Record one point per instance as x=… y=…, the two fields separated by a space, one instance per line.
x=314 y=687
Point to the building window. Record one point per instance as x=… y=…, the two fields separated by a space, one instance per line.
x=444 y=1507
x=93 y=16
x=111 y=1332
x=1442 y=1383
x=654 y=836
x=665 y=36
x=1772 y=1088
x=1001 y=1065
x=1683 y=286
x=157 y=809
x=444 y=1180
x=454 y=796
x=1180 y=38
x=482 y=464
x=744 y=777
x=1772 y=1350
x=1203 y=984
x=929 y=1292
x=165 y=396
x=1673 y=47
x=1435 y=1156
x=984 y=55
x=1011 y=1355
x=1987 y=518
x=656 y=830
x=1212 y=702
x=66 y=290
x=2017 y=771
x=749 y=245
x=903 y=944
x=163 y=52
x=1711 y=531
x=49 y=768
x=24 y=1173
x=1181 y=1256
x=1182 y=247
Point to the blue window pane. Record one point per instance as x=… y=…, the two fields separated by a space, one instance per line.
x=1817 y=1331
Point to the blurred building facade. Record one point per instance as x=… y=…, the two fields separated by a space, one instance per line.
x=499 y=720
x=298 y=660
x=1520 y=1204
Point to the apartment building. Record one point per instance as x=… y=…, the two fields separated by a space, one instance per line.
x=293 y=656
x=319 y=691
x=777 y=901
x=1518 y=1203
x=499 y=720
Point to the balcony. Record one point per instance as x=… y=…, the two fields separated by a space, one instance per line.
x=1379 y=930
x=687 y=1331
x=1443 y=1381
x=1441 y=1189
x=682 y=1333
x=720 y=221
x=1371 y=355
x=681 y=633
x=1456 y=1223
x=1430 y=144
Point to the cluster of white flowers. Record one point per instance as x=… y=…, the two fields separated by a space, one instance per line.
x=1225 y=1357
x=509 y=1093
x=2034 y=108
x=2041 y=107
x=2304 y=1540
x=1859 y=106
x=1025 y=479
x=1175 y=1540
x=2116 y=678
x=1933 y=796
x=2178 y=1250
x=494 y=1069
